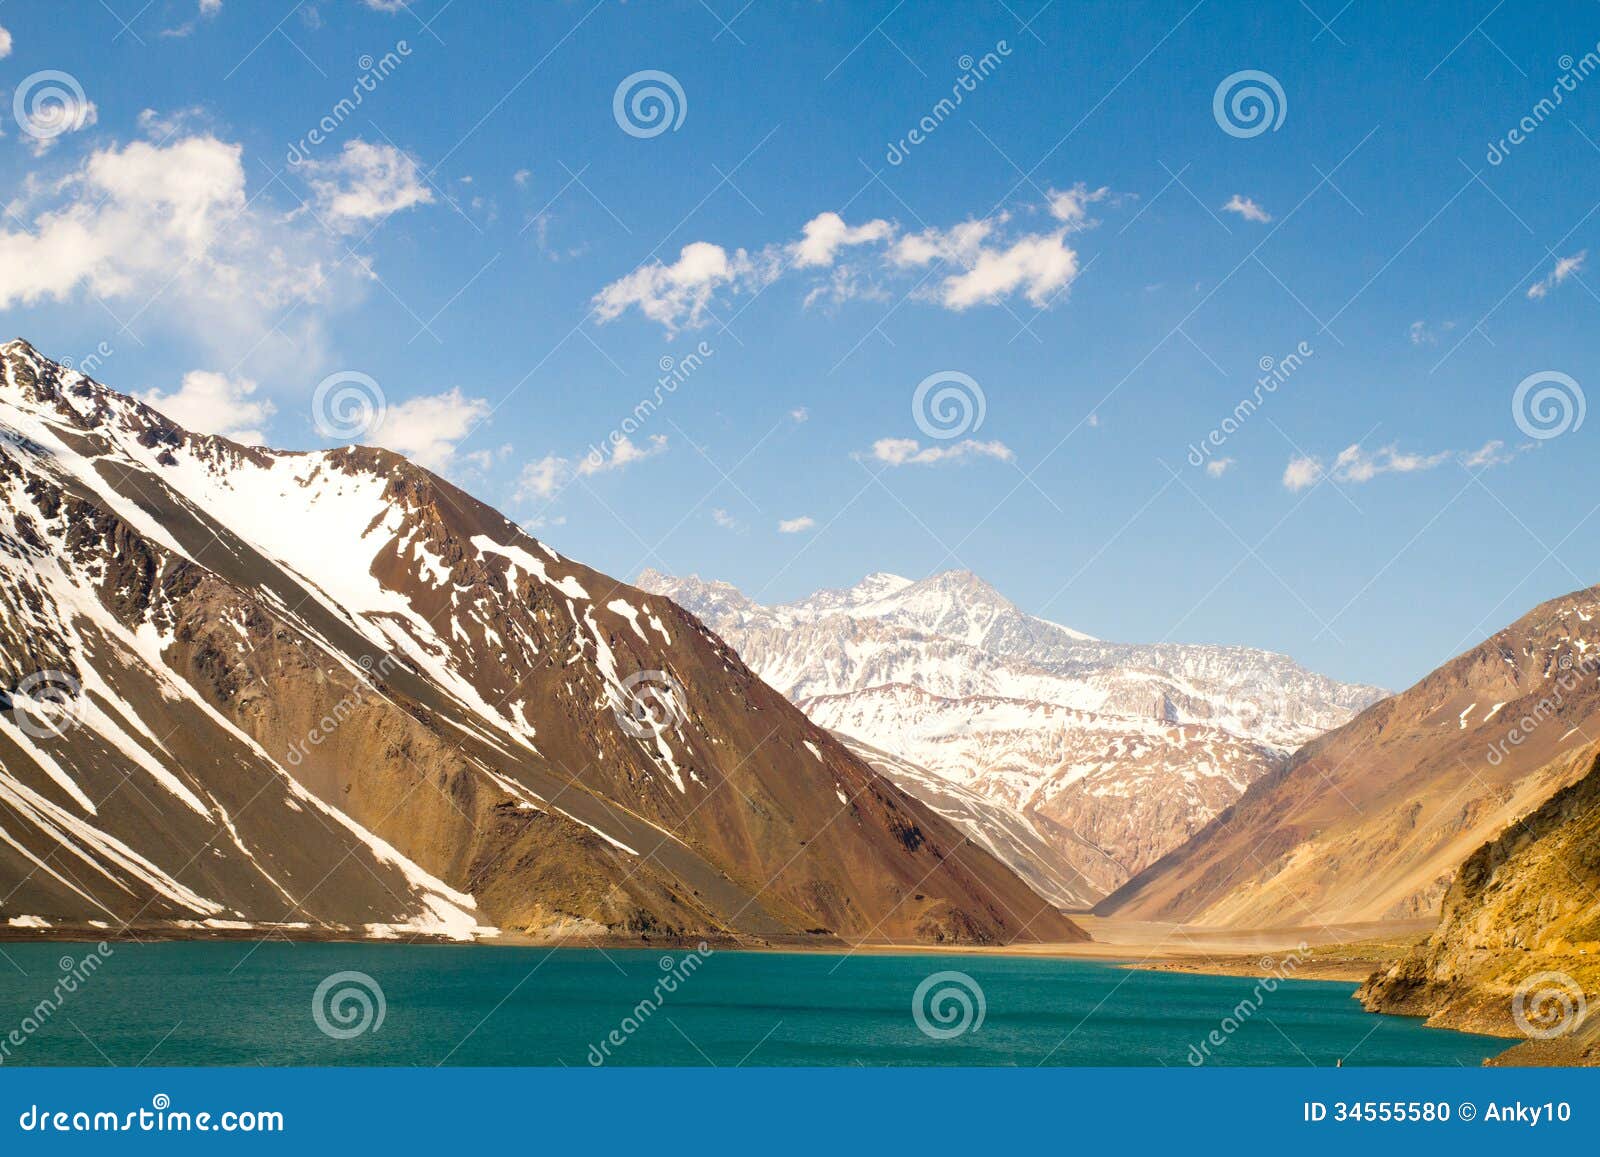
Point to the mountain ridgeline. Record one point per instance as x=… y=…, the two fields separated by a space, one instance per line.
x=329 y=693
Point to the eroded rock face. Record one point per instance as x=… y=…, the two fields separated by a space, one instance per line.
x=331 y=692
x=1517 y=950
x=1371 y=821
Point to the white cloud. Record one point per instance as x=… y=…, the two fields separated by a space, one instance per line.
x=725 y=520
x=1565 y=267
x=385 y=5
x=366 y=181
x=544 y=479
x=1489 y=454
x=826 y=233
x=427 y=429
x=169 y=228
x=796 y=525
x=1355 y=464
x=521 y=177
x=1302 y=471
x=212 y=403
x=679 y=294
x=909 y=452
x=1071 y=208
x=210 y=7
x=1421 y=333
x=799 y=414
x=1246 y=208
x=1217 y=467
x=986 y=263
x=5 y=44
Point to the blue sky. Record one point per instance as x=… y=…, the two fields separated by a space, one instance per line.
x=1060 y=238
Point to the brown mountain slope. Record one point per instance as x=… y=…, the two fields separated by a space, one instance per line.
x=1370 y=821
x=1517 y=950
x=330 y=689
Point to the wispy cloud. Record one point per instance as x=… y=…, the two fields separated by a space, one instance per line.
x=910 y=452
x=1356 y=464
x=1217 y=467
x=1565 y=267
x=1247 y=208
x=796 y=525
x=544 y=479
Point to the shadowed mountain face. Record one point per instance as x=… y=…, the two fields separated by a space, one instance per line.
x=1517 y=950
x=1371 y=821
x=1104 y=755
x=331 y=691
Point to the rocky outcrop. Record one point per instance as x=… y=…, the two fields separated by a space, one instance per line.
x=1517 y=950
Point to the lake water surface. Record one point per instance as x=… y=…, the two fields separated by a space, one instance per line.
x=249 y=1004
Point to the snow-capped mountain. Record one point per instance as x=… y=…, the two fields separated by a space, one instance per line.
x=329 y=692
x=1119 y=751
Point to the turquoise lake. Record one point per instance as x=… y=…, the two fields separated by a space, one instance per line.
x=256 y=1004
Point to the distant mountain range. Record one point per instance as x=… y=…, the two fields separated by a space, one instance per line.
x=329 y=693
x=1109 y=754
